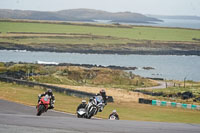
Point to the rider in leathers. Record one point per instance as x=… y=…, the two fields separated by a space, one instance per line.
x=103 y=94
x=114 y=113
x=52 y=98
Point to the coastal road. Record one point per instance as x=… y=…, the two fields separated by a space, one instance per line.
x=17 y=118
x=161 y=85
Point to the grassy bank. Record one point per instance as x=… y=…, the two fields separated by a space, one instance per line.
x=126 y=110
x=76 y=75
x=85 y=38
x=178 y=93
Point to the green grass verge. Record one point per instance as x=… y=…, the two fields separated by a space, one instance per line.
x=173 y=93
x=138 y=33
x=127 y=111
x=194 y=89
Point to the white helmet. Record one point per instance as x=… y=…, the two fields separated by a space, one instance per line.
x=114 y=111
x=83 y=101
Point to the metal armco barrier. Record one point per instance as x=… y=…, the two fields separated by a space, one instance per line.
x=67 y=91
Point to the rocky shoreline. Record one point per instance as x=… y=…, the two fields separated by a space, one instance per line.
x=81 y=65
x=100 y=66
x=120 y=52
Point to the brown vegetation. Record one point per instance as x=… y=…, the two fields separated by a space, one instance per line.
x=119 y=95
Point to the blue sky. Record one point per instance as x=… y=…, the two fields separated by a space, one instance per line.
x=158 y=7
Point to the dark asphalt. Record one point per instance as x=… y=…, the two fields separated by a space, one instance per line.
x=17 y=118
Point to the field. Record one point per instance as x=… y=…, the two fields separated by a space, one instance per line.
x=127 y=110
x=138 y=33
x=80 y=37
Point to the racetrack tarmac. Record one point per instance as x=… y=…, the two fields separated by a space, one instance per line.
x=17 y=118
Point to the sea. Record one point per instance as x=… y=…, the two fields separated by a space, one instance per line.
x=169 y=67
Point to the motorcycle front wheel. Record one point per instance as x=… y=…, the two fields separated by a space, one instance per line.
x=41 y=109
x=91 y=113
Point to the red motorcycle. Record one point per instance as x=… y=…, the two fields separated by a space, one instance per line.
x=43 y=105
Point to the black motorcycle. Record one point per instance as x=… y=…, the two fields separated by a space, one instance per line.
x=81 y=113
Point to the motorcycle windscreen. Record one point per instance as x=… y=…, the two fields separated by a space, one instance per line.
x=99 y=99
x=81 y=111
x=46 y=99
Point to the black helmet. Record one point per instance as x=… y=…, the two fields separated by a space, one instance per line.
x=98 y=94
x=91 y=98
x=49 y=92
x=102 y=91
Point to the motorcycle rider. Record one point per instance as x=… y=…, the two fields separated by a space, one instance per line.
x=82 y=105
x=102 y=92
x=51 y=96
x=100 y=101
x=114 y=113
x=101 y=96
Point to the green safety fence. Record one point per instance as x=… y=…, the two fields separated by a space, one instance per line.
x=154 y=102
x=184 y=106
x=174 y=104
x=194 y=107
x=163 y=103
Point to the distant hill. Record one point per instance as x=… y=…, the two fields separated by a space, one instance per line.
x=77 y=15
x=175 y=17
